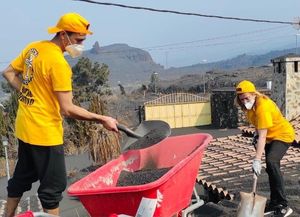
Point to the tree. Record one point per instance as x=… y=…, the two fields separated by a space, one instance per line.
x=90 y=83
x=90 y=78
x=82 y=71
x=7 y=120
x=153 y=86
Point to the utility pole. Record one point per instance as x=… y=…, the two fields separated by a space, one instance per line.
x=296 y=25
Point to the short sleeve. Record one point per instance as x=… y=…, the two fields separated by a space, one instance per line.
x=19 y=62
x=264 y=118
x=61 y=76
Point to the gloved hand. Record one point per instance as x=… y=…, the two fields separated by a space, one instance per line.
x=254 y=140
x=256 y=167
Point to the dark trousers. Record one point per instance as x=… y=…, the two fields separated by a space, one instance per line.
x=43 y=163
x=274 y=153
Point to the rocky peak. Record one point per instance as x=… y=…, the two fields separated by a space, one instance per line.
x=96 y=48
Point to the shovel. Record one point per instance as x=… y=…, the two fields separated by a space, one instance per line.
x=148 y=133
x=251 y=205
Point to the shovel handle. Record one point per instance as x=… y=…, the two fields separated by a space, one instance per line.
x=254 y=183
x=128 y=132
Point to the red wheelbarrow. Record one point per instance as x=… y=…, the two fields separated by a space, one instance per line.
x=101 y=196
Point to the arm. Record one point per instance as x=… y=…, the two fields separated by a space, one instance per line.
x=256 y=164
x=262 y=136
x=68 y=109
x=12 y=76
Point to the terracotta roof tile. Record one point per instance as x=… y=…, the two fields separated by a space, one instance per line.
x=227 y=165
x=235 y=170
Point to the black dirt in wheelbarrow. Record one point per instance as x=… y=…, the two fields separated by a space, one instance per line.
x=140 y=177
x=151 y=138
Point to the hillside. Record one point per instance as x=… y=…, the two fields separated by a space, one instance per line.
x=126 y=64
x=218 y=79
x=239 y=62
x=131 y=65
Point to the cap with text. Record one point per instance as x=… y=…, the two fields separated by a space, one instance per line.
x=245 y=87
x=71 y=22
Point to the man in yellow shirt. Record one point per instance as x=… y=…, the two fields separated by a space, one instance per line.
x=275 y=135
x=42 y=77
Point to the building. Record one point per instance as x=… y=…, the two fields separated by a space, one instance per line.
x=180 y=110
x=224 y=112
x=286 y=85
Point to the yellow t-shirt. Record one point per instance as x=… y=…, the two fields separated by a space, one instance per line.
x=266 y=115
x=44 y=70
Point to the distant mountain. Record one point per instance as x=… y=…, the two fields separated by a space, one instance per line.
x=131 y=65
x=216 y=79
x=127 y=64
x=239 y=62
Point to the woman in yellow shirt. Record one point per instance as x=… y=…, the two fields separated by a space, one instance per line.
x=275 y=135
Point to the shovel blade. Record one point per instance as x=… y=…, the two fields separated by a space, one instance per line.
x=251 y=205
x=152 y=132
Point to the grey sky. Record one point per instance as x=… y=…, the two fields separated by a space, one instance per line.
x=197 y=39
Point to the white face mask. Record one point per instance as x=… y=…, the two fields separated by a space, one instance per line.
x=75 y=50
x=249 y=104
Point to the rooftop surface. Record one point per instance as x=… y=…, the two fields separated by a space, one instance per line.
x=225 y=170
x=226 y=167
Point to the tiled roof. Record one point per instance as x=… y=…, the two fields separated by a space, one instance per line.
x=226 y=166
x=296 y=124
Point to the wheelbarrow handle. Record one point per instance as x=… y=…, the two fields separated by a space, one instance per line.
x=128 y=132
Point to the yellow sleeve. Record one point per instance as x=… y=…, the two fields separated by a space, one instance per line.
x=264 y=118
x=61 y=76
x=19 y=62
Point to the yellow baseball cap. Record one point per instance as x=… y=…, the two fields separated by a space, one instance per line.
x=245 y=87
x=71 y=22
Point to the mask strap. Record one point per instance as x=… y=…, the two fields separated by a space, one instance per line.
x=68 y=38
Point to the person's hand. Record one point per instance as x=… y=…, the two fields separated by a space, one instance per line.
x=109 y=123
x=256 y=167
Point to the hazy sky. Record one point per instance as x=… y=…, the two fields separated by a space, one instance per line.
x=190 y=39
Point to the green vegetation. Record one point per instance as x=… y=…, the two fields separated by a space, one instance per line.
x=90 y=78
x=7 y=119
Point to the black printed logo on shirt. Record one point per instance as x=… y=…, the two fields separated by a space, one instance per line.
x=25 y=94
